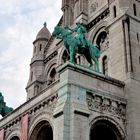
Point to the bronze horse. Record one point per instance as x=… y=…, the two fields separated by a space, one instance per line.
x=72 y=46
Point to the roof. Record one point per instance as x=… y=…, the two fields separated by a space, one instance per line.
x=44 y=33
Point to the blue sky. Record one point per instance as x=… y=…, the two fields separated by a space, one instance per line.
x=20 y=21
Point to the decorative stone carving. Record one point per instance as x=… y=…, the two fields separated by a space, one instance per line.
x=104 y=43
x=48 y=103
x=13 y=131
x=99 y=18
x=107 y=105
x=138 y=1
x=110 y=1
x=51 y=56
x=93 y=7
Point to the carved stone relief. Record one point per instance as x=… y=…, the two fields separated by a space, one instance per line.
x=106 y=105
x=93 y=7
x=104 y=43
x=99 y=18
x=138 y=1
x=48 y=104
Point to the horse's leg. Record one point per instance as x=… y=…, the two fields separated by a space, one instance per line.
x=94 y=55
x=96 y=65
x=88 y=57
x=72 y=54
x=67 y=48
x=90 y=65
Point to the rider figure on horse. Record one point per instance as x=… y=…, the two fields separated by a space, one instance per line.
x=72 y=45
x=81 y=31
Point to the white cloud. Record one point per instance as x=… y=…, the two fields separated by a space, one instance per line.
x=22 y=19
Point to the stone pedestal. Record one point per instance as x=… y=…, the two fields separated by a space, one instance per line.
x=71 y=113
x=85 y=98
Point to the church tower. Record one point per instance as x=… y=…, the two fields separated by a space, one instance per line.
x=37 y=63
x=68 y=11
x=74 y=11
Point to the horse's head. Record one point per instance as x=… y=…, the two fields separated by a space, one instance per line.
x=57 y=31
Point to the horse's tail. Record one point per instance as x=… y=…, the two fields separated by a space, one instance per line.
x=94 y=51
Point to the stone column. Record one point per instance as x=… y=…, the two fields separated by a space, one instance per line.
x=67 y=8
x=81 y=13
x=127 y=46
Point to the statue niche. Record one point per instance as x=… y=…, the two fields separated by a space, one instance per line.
x=102 y=41
x=65 y=57
x=52 y=76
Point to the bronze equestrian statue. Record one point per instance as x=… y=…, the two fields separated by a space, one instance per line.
x=78 y=44
x=4 y=110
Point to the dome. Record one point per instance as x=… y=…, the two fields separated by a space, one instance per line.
x=44 y=33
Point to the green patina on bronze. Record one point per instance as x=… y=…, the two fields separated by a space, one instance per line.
x=78 y=44
x=4 y=110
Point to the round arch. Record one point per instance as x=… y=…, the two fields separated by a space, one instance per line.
x=50 y=72
x=62 y=56
x=49 y=65
x=104 y=127
x=15 y=138
x=15 y=133
x=42 y=131
x=100 y=37
x=105 y=65
x=40 y=117
x=51 y=77
x=100 y=27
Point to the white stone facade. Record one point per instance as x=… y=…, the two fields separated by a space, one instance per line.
x=71 y=102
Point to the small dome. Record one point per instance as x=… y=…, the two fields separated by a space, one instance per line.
x=43 y=33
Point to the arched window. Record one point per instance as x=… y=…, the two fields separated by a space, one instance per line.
x=102 y=41
x=109 y=131
x=134 y=9
x=114 y=11
x=65 y=57
x=15 y=138
x=105 y=65
x=42 y=131
x=36 y=89
x=52 y=76
x=40 y=48
x=138 y=37
x=31 y=76
x=35 y=49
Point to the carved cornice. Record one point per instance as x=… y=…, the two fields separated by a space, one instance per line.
x=96 y=20
x=36 y=82
x=41 y=105
x=40 y=39
x=107 y=105
x=51 y=56
x=91 y=73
